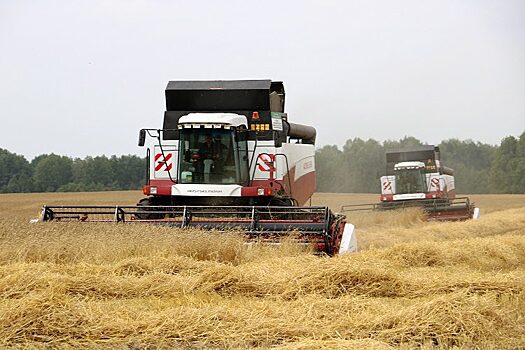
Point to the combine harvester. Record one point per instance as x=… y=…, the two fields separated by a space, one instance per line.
x=228 y=158
x=417 y=178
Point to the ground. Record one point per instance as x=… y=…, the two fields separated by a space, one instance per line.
x=414 y=284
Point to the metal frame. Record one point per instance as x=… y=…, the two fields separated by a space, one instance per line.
x=438 y=209
x=312 y=225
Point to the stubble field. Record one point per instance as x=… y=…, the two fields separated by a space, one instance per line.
x=414 y=284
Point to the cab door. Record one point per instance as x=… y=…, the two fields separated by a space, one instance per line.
x=243 y=172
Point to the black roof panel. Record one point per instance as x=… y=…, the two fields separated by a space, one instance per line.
x=222 y=95
x=413 y=149
x=219 y=85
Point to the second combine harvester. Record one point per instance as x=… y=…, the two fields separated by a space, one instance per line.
x=227 y=157
x=416 y=177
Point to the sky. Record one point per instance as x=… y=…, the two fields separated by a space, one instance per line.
x=80 y=78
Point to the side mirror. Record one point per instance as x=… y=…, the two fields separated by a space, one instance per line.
x=142 y=137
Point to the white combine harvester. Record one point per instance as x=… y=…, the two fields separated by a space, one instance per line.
x=227 y=157
x=417 y=178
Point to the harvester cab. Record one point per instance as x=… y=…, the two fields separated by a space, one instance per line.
x=228 y=143
x=410 y=178
x=227 y=157
x=209 y=157
x=416 y=177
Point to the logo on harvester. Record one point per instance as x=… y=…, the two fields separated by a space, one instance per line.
x=265 y=161
x=163 y=163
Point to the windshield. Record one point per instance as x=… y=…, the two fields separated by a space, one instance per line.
x=410 y=181
x=210 y=156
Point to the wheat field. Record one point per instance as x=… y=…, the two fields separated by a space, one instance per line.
x=413 y=285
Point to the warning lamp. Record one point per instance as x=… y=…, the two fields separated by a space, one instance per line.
x=255 y=115
x=147 y=190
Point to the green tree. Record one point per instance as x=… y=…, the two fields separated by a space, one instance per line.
x=95 y=174
x=363 y=162
x=15 y=173
x=129 y=171
x=405 y=142
x=519 y=169
x=329 y=170
x=51 y=172
x=21 y=182
x=508 y=171
x=471 y=162
x=502 y=174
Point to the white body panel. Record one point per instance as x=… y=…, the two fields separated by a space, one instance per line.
x=265 y=152
x=163 y=162
x=388 y=184
x=348 y=240
x=213 y=119
x=300 y=156
x=162 y=159
x=405 y=196
x=409 y=165
x=206 y=190
x=448 y=181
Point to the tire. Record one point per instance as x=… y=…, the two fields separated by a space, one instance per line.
x=146 y=202
x=282 y=202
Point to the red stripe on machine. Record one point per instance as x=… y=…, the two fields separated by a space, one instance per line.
x=265 y=161
x=162 y=163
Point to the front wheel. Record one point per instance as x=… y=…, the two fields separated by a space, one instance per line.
x=145 y=204
x=282 y=202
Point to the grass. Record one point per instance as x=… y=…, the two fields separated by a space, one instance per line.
x=414 y=284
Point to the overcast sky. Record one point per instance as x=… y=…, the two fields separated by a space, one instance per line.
x=81 y=78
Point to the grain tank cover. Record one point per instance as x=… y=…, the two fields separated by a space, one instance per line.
x=224 y=96
x=427 y=154
x=242 y=97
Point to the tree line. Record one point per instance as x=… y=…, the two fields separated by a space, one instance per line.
x=357 y=167
x=54 y=173
x=478 y=167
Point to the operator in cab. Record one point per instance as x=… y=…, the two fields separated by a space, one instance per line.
x=209 y=158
